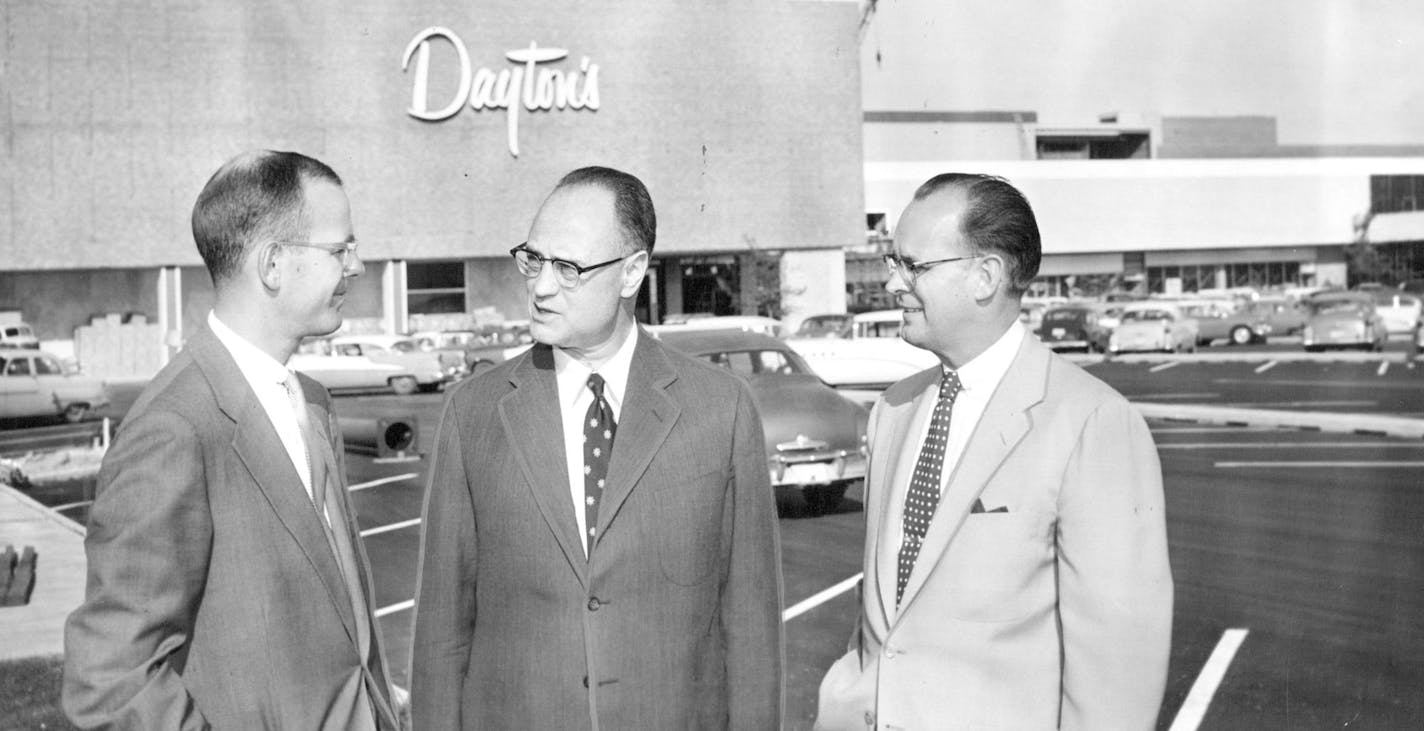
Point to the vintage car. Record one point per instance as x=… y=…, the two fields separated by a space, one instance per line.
x=815 y=438
x=1153 y=326
x=1074 y=327
x=355 y=363
x=744 y=323
x=1400 y=311
x=1343 y=320
x=832 y=325
x=18 y=335
x=33 y=383
x=872 y=357
x=1224 y=320
x=1285 y=315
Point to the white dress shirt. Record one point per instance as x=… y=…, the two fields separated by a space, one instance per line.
x=978 y=379
x=574 y=400
x=268 y=380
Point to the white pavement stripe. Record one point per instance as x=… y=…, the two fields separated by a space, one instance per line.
x=392 y=609
x=1193 y=710
x=71 y=506
x=390 y=527
x=1291 y=445
x=1268 y=365
x=1209 y=429
x=383 y=481
x=1317 y=465
x=1171 y=396
x=820 y=598
x=1384 y=366
x=1298 y=404
x=1164 y=366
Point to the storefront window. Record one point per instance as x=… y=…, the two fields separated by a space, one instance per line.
x=435 y=287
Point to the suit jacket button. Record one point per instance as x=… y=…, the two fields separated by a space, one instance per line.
x=585 y=681
x=890 y=652
x=594 y=604
x=869 y=718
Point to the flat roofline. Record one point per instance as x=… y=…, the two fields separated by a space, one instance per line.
x=979 y=117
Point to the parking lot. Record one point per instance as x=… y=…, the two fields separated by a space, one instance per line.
x=1298 y=562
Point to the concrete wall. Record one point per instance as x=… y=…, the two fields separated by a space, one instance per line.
x=812 y=282
x=56 y=302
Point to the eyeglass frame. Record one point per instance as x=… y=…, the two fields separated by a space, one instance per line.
x=557 y=262
x=910 y=270
x=345 y=251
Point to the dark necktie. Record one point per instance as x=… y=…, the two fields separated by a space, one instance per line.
x=923 y=497
x=598 y=431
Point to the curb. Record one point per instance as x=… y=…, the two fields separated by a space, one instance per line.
x=64 y=521
x=1393 y=426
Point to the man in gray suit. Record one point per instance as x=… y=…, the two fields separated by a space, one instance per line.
x=600 y=542
x=227 y=583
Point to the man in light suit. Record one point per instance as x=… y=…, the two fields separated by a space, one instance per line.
x=227 y=583
x=1016 y=570
x=565 y=584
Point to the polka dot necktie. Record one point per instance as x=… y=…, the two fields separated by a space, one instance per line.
x=923 y=498
x=598 y=431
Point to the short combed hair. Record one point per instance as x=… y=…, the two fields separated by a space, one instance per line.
x=997 y=218
x=634 y=205
x=253 y=197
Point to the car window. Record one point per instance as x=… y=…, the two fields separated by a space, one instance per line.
x=887 y=329
x=48 y=367
x=1146 y=315
x=348 y=349
x=18 y=367
x=1337 y=307
x=3 y=361
x=11 y=332
x=406 y=346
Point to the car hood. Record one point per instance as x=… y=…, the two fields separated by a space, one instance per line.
x=794 y=406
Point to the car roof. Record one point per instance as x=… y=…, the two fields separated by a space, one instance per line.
x=705 y=341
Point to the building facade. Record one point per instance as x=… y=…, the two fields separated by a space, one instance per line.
x=448 y=122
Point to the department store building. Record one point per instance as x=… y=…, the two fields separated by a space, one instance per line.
x=448 y=122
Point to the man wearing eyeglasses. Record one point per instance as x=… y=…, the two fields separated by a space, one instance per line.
x=599 y=537
x=227 y=583
x=1016 y=569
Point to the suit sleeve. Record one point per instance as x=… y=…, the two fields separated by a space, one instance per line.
x=751 y=594
x=148 y=544
x=445 y=587
x=1115 y=584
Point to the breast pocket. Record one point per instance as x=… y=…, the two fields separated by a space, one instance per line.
x=689 y=516
x=999 y=567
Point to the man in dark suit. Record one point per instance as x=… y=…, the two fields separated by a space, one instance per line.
x=1016 y=571
x=600 y=542
x=227 y=583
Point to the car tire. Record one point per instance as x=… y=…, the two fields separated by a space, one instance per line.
x=824 y=499
x=1242 y=335
x=75 y=413
x=404 y=385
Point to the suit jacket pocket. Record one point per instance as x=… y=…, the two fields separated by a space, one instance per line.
x=690 y=515
x=998 y=567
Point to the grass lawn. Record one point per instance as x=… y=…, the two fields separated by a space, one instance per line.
x=29 y=694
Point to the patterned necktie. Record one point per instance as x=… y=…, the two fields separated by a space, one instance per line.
x=598 y=431
x=923 y=497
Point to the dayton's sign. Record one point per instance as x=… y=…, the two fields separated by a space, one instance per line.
x=526 y=83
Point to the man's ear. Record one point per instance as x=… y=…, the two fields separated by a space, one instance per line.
x=633 y=270
x=990 y=275
x=268 y=270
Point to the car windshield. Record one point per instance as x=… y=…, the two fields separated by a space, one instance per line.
x=48 y=367
x=822 y=327
x=1146 y=315
x=1063 y=315
x=756 y=362
x=1336 y=307
x=405 y=346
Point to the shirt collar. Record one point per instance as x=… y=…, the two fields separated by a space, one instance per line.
x=256 y=365
x=985 y=370
x=572 y=375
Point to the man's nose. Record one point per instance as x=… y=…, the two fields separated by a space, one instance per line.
x=357 y=267
x=546 y=282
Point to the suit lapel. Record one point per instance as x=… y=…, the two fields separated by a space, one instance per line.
x=1005 y=421
x=648 y=415
x=261 y=451
x=904 y=420
x=532 y=422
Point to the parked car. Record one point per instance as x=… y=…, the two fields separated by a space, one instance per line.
x=815 y=438
x=1223 y=320
x=835 y=325
x=745 y=323
x=1154 y=326
x=1400 y=311
x=873 y=356
x=1074 y=327
x=1286 y=316
x=33 y=383
x=354 y=366
x=18 y=335
x=431 y=368
x=1343 y=320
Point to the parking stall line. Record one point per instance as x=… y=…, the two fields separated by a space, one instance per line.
x=1322 y=464
x=390 y=527
x=1292 y=445
x=1164 y=366
x=1268 y=365
x=1193 y=710
x=1299 y=404
x=820 y=598
x=383 y=481
x=1172 y=396
x=1384 y=366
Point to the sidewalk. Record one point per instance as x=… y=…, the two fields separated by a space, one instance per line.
x=37 y=629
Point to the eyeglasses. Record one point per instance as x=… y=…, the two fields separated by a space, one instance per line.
x=909 y=270
x=346 y=251
x=568 y=273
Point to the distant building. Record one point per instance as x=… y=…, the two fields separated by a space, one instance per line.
x=1159 y=204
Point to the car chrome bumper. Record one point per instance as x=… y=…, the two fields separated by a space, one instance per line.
x=818 y=468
